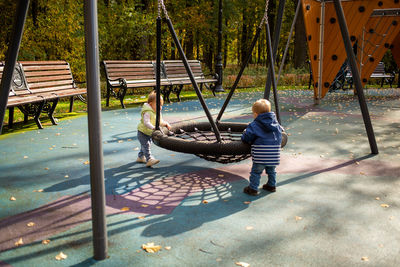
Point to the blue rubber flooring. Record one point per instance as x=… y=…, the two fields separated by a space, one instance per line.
x=335 y=205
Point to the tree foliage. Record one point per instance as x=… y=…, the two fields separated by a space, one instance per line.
x=54 y=30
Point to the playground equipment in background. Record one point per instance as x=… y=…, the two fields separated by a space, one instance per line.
x=373 y=28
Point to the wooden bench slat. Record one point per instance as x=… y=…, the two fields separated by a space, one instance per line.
x=51 y=89
x=48 y=78
x=130 y=66
x=50 y=62
x=49 y=84
x=45 y=67
x=111 y=62
x=47 y=73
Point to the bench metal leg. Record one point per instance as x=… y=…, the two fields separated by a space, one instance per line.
x=382 y=81
x=10 y=117
x=166 y=91
x=26 y=118
x=122 y=96
x=36 y=118
x=108 y=96
x=51 y=111
x=71 y=104
x=178 y=92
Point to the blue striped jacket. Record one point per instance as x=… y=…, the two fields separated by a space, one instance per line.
x=265 y=136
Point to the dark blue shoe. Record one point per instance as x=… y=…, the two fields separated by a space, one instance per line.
x=269 y=188
x=250 y=191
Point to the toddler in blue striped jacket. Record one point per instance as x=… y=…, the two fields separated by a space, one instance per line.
x=264 y=135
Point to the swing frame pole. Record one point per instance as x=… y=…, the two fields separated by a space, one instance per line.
x=11 y=57
x=356 y=76
x=97 y=186
x=194 y=83
x=272 y=70
x=158 y=72
x=235 y=84
x=277 y=32
x=218 y=65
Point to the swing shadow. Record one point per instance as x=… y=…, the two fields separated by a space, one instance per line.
x=223 y=194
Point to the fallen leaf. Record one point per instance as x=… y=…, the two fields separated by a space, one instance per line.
x=298 y=218
x=167 y=248
x=247 y=202
x=358 y=163
x=249 y=227
x=141 y=217
x=242 y=264
x=125 y=209
x=120 y=141
x=158 y=207
x=19 y=242
x=136 y=148
x=46 y=169
x=86 y=162
x=46 y=241
x=145 y=205
x=13 y=198
x=25 y=157
x=57 y=134
x=391 y=217
x=66 y=176
x=30 y=224
x=364 y=259
x=220 y=175
x=151 y=248
x=61 y=256
x=384 y=205
x=204 y=201
x=377 y=198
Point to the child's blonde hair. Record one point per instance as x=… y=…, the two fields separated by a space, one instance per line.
x=261 y=106
x=153 y=97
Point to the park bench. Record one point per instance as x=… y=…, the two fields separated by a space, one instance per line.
x=37 y=87
x=176 y=74
x=122 y=75
x=379 y=73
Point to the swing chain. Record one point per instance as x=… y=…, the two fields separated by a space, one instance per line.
x=265 y=17
x=162 y=5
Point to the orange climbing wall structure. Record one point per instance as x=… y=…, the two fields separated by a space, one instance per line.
x=396 y=50
x=373 y=34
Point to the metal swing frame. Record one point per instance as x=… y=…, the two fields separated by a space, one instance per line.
x=226 y=148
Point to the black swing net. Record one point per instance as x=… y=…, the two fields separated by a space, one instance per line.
x=213 y=140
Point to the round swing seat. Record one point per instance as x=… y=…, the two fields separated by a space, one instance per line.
x=198 y=138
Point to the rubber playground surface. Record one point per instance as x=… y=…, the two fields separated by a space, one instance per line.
x=335 y=205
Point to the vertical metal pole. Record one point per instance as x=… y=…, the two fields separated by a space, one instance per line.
x=95 y=137
x=271 y=66
x=194 y=83
x=321 y=52
x=11 y=57
x=356 y=76
x=288 y=41
x=277 y=32
x=235 y=84
x=218 y=65
x=158 y=72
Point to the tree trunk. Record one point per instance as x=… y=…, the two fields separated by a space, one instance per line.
x=243 y=40
x=188 y=45
x=300 y=41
